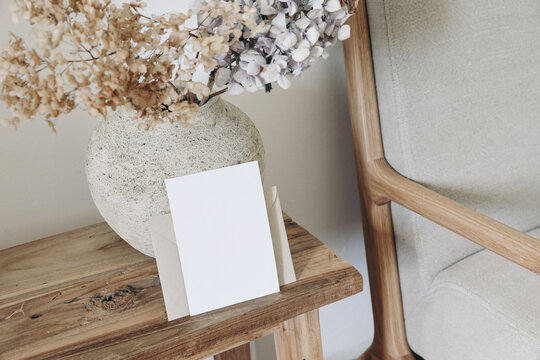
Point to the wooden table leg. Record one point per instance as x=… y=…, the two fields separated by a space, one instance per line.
x=299 y=338
x=238 y=353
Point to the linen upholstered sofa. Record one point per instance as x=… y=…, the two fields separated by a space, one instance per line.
x=455 y=87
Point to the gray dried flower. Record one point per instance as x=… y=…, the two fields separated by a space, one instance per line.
x=293 y=33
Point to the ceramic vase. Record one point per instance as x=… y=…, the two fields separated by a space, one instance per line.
x=126 y=167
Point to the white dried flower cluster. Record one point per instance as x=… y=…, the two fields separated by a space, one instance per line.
x=118 y=56
x=291 y=35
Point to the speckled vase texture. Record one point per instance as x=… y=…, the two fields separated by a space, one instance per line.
x=126 y=167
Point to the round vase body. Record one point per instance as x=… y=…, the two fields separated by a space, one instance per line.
x=126 y=167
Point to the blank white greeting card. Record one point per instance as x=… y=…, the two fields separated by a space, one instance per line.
x=223 y=237
x=168 y=260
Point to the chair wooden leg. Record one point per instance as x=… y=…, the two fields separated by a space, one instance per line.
x=299 y=338
x=373 y=353
x=390 y=341
x=238 y=353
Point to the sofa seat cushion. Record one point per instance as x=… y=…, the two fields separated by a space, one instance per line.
x=483 y=307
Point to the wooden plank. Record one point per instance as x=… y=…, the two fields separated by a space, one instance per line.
x=119 y=312
x=241 y=352
x=88 y=309
x=43 y=265
x=299 y=338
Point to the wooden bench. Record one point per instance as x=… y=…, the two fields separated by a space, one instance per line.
x=87 y=294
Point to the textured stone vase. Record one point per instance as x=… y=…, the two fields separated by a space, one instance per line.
x=126 y=167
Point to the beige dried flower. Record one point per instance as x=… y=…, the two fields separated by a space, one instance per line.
x=117 y=56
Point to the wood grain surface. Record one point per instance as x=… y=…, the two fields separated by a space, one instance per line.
x=88 y=294
x=518 y=247
x=389 y=341
x=299 y=338
x=241 y=352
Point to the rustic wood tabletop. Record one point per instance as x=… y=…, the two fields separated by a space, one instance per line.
x=88 y=294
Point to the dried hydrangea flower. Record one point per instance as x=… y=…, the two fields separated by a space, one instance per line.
x=293 y=34
x=118 y=56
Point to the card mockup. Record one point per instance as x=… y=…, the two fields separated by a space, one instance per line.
x=168 y=260
x=223 y=237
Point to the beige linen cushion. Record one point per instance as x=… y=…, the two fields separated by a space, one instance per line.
x=483 y=307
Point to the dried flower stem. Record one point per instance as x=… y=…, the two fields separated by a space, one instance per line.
x=217 y=93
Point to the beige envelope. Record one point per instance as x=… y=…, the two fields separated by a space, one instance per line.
x=168 y=260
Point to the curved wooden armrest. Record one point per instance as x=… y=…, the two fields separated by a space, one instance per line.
x=388 y=185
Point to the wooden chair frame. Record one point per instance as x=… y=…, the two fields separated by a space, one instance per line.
x=380 y=184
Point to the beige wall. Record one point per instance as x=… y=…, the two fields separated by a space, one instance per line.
x=309 y=149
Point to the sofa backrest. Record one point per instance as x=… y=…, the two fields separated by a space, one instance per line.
x=458 y=84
